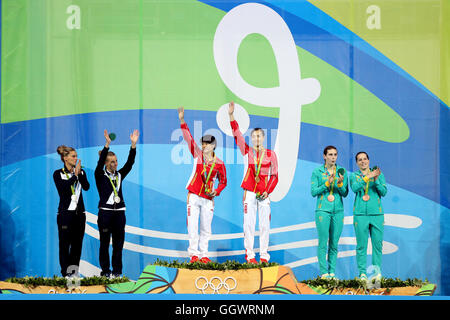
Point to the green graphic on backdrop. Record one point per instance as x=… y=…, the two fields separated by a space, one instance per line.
x=147 y=54
x=409 y=34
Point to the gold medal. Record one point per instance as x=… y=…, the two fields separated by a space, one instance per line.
x=330 y=198
x=257 y=179
x=366 y=197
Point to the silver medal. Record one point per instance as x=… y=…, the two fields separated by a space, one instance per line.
x=116 y=199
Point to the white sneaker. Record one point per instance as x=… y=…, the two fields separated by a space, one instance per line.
x=363 y=277
x=332 y=276
x=325 y=276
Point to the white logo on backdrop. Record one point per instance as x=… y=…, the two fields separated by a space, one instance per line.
x=289 y=96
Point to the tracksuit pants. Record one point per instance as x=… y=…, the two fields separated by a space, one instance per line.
x=71 y=225
x=111 y=223
x=251 y=207
x=203 y=209
x=329 y=227
x=366 y=225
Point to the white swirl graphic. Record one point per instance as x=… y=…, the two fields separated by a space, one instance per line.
x=289 y=96
x=395 y=220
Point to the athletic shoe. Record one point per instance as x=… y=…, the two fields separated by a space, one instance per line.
x=332 y=276
x=363 y=277
x=263 y=260
x=193 y=259
x=252 y=261
x=325 y=276
x=205 y=260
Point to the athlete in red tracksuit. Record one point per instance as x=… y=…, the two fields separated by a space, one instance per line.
x=200 y=199
x=260 y=179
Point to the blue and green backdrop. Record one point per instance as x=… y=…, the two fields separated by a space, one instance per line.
x=380 y=70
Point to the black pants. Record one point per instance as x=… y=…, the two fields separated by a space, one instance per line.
x=71 y=225
x=111 y=223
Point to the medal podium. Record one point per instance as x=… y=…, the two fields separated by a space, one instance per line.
x=156 y=279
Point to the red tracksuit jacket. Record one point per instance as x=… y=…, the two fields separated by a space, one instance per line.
x=268 y=175
x=198 y=177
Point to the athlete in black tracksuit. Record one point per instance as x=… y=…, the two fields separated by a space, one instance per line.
x=111 y=216
x=71 y=218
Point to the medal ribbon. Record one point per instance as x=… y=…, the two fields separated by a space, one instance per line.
x=334 y=179
x=114 y=187
x=209 y=173
x=366 y=189
x=72 y=187
x=258 y=165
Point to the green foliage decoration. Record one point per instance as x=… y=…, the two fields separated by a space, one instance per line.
x=227 y=265
x=386 y=283
x=62 y=282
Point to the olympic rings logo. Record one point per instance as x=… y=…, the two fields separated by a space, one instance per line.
x=215 y=283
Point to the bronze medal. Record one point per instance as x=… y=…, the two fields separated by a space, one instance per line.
x=366 y=197
x=257 y=179
x=330 y=198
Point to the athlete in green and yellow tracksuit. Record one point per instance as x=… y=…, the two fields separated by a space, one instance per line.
x=368 y=215
x=328 y=180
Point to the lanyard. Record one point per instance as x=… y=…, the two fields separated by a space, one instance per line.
x=71 y=186
x=258 y=165
x=334 y=179
x=114 y=187
x=366 y=189
x=207 y=176
x=258 y=168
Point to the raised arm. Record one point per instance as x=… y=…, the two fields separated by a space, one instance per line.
x=193 y=147
x=240 y=141
x=103 y=154
x=131 y=155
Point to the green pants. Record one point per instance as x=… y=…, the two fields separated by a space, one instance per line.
x=366 y=225
x=329 y=228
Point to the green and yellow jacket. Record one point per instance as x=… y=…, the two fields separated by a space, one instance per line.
x=320 y=188
x=376 y=190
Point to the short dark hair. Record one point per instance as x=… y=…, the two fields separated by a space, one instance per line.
x=356 y=157
x=325 y=151
x=257 y=129
x=209 y=139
